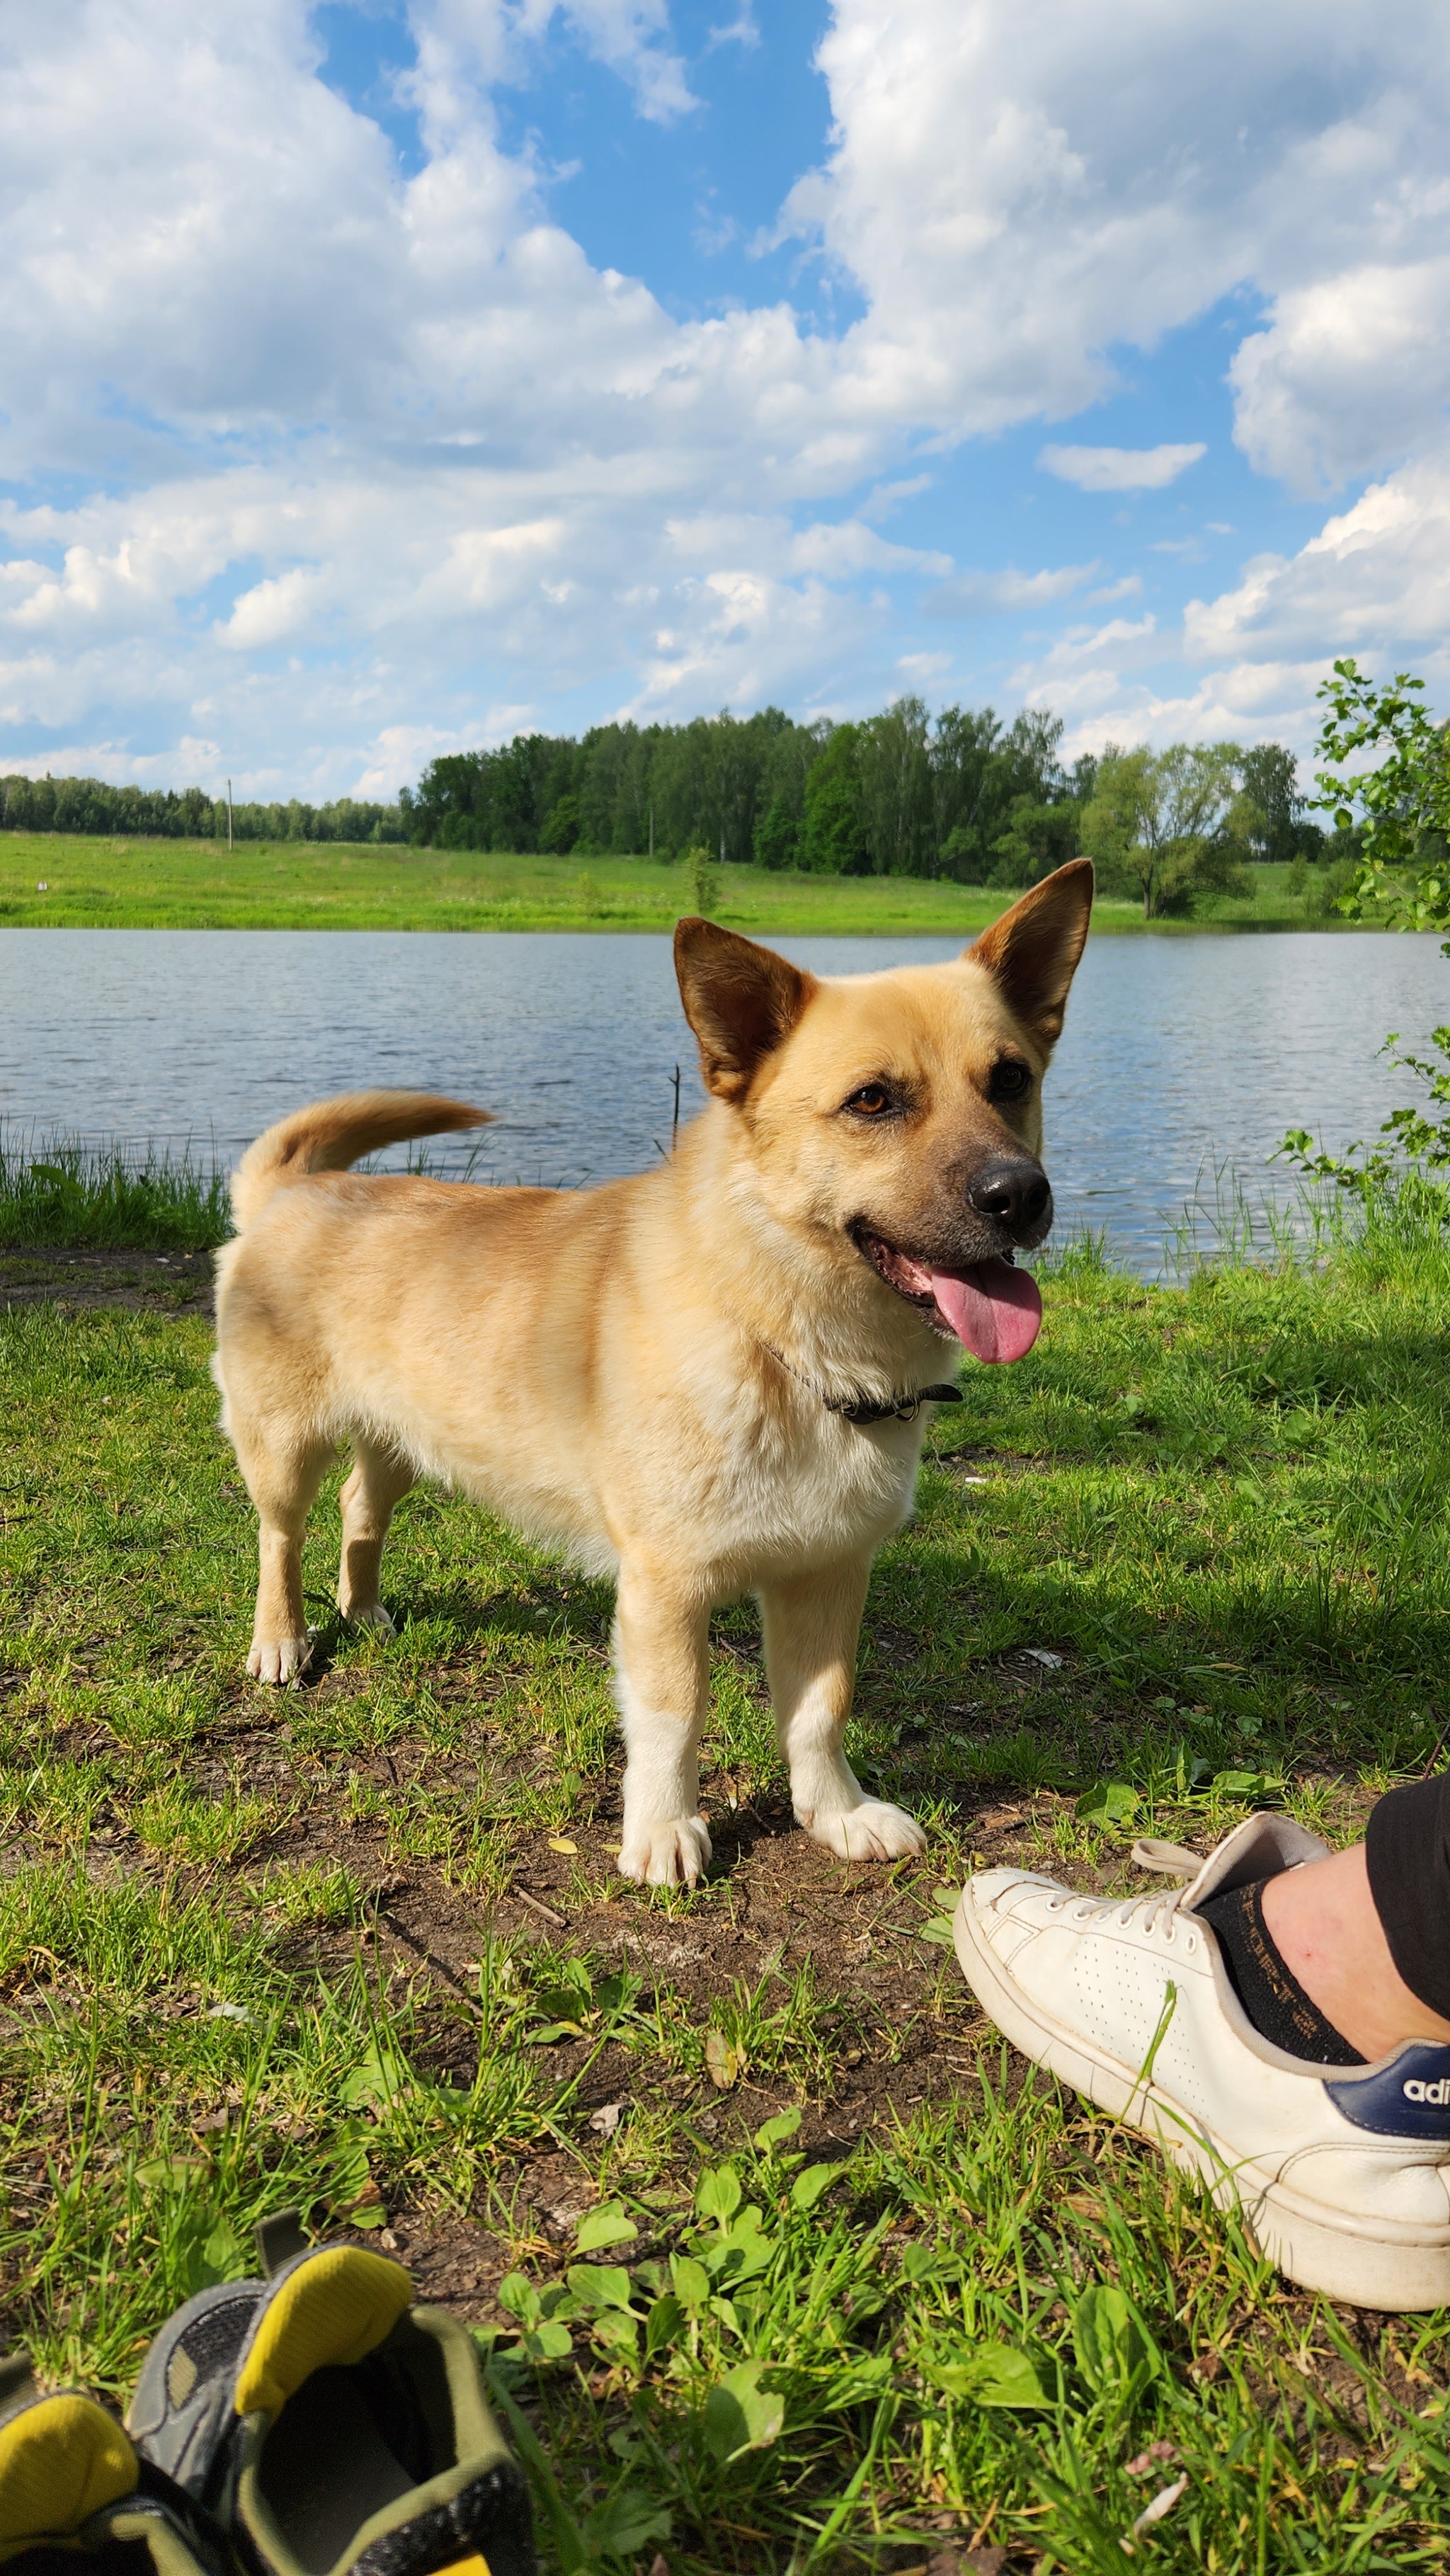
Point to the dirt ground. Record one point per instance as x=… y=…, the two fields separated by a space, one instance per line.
x=177 y=1283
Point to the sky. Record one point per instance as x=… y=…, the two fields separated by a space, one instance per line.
x=387 y=377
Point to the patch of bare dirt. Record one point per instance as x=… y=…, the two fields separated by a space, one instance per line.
x=177 y=1283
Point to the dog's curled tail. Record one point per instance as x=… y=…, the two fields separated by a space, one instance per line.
x=333 y=1133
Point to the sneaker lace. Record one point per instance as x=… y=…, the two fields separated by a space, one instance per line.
x=1156 y=1914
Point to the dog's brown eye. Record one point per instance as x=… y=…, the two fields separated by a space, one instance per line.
x=1011 y=1079
x=872 y=1100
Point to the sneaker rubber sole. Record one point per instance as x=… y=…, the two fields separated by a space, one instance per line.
x=1399 y=2268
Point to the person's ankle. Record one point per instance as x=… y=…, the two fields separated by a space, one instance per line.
x=1321 y=1918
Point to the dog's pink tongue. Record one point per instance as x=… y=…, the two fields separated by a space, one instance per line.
x=994 y=1309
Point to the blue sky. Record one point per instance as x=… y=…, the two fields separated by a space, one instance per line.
x=380 y=379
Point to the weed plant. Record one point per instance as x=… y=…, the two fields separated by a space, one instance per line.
x=78 y=1194
x=779 y=2259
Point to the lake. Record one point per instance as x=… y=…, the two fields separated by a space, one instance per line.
x=1182 y=1056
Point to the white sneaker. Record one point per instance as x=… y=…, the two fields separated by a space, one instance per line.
x=1342 y=2174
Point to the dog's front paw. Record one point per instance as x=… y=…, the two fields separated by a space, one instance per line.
x=281 y=1659
x=373 y=1616
x=666 y=1855
x=871 y=1831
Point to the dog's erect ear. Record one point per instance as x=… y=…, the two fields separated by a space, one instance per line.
x=740 y=1000
x=1034 y=949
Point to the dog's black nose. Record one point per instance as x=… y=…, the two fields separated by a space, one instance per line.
x=1014 y=1190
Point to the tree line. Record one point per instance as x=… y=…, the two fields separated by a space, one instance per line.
x=963 y=795
x=186 y=814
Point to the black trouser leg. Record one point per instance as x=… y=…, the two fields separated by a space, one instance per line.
x=1407 y=1848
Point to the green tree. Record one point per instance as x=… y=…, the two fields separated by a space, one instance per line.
x=1403 y=798
x=1162 y=818
x=893 y=765
x=1402 y=871
x=979 y=769
x=1271 y=805
x=1038 y=839
x=834 y=841
x=704 y=878
x=777 y=835
x=561 y=826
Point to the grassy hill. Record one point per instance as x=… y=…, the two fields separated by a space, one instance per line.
x=94 y=883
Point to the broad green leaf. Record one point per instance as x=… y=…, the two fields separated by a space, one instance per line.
x=518 y=2294
x=222 y=2257
x=664 y=2325
x=1115 y=2351
x=224 y=2254
x=691 y=2280
x=1249 y=1785
x=616 y=2326
x=740 y=2415
x=774 y=2132
x=171 y=2173
x=550 y=2341
x=995 y=2374
x=1109 y=1802
x=740 y=2249
x=622 y=2526
x=807 y=2187
x=598 y=2285
x=608 y=2225
x=349 y=2160
x=377 y=2080
x=717 y=2193
x=937 y=1928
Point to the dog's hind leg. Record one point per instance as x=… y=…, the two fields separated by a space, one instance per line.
x=282 y=1479
x=661 y=1660
x=379 y=1480
x=811 y=1624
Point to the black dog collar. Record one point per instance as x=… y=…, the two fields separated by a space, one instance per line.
x=905 y=1409
x=861 y=1408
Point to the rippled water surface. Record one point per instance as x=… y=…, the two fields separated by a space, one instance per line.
x=1181 y=1055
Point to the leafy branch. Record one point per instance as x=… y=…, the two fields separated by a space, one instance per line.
x=1404 y=798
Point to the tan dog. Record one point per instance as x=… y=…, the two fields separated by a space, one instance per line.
x=702 y=1380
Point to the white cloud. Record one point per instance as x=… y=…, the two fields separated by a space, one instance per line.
x=494 y=40
x=1018 y=188
x=740 y=30
x=990 y=594
x=273 y=609
x=1352 y=372
x=848 y=547
x=1376 y=578
x=1119 y=469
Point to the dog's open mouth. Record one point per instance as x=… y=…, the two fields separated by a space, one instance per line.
x=992 y=1309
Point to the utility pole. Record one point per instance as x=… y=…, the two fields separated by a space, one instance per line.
x=651 y=829
x=229 y=813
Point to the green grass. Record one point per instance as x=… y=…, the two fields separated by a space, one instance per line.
x=78 y=1194
x=756 y=2216
x=95 y=883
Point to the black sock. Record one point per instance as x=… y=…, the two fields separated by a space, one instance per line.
x=1268 y=1989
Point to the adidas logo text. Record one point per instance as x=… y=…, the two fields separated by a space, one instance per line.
x=1416 y=2091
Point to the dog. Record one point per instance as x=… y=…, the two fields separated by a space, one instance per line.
x=705 y=1381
